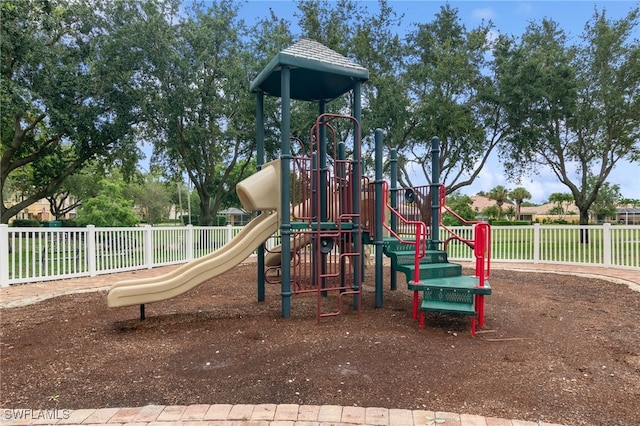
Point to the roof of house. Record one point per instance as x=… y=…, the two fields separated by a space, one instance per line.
x=233 y=211
x=629 y=210
x=480 y=203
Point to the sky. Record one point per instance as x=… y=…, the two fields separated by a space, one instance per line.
x=509 y=17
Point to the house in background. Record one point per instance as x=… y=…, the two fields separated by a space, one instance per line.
x=628 y=216
x=235 y=216
x=543 y=213
x=540 y=213
x=39 y=211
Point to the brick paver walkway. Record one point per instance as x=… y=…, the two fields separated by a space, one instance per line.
x=254 y=415
x=260 y=414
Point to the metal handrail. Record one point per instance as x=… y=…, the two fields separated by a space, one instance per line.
x=420 y=233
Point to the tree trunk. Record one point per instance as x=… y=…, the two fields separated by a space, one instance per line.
x=205 y=209
x=584 y=232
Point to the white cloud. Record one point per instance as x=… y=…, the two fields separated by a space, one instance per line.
x=627 y=175
x=492 y=36
x=524 y=8
x=540 y=189
x=485 y=13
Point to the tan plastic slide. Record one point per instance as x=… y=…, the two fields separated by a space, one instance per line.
x=260 y=191
x=274 y=256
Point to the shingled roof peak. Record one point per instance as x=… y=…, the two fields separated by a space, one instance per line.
x=316 y=51
x=316 y=72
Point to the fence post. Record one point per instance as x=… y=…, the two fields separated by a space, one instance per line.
x=91 y=250
x=536 y=243
x=229 y=234
x=148 y=246
x=607 y=243
x=4 y=258
x=190 y=240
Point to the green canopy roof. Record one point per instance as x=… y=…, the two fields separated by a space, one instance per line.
x=317 y=72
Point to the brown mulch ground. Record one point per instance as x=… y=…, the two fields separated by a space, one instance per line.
x=556 y=348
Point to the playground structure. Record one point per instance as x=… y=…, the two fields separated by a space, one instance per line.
x=326 y=210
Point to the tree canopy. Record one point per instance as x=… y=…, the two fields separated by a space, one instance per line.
x=85 y=84
x=573 y=107
x=69 y=90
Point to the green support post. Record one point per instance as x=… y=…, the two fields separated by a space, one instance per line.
x=355 y=189
x=285 y=206
x=378 y=225
x=393 y=194
x=435 y=194
x=322 y=186
x=340 y=174
x=259 y=163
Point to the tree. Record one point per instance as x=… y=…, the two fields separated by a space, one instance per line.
x=69 y=90
x=562 y=202
x=203 y=114
x=633 y=202
x=75 y=189
x=348 y=28
x=109 y=208
x=461 y=204
x=573 y=108
x=151 y=198
x=500 y=195
x=492 y=212
x=518 y=195
x=377 y=46
x=446 y=84
x=606 y=203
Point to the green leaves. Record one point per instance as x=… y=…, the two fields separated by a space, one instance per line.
x=448 y=91
x=572 y=107
x=69 y=89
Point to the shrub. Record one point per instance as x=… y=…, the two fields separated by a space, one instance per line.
x=194 y=219
x=496 y=222
x=25 y=223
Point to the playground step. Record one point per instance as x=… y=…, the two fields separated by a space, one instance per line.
x=451 y=295
x=462 y=282
x=408 y=256
x=430 y=270
x=460 y=308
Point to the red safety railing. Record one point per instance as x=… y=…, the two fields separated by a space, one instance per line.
x=480 y=243
x=482 y=253
x=420 y=242
x=443 y=206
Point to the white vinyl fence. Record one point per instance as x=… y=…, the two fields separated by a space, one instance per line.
x=44 y=254
x=615 y=246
